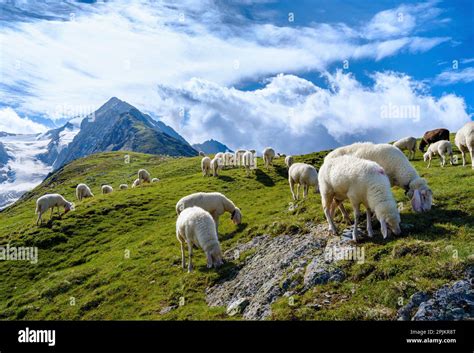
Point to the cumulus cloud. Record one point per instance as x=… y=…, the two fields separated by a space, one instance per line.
x=80 y=55
x=11 y=122
x=296 y=116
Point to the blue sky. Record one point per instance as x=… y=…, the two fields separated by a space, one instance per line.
x=242 y=71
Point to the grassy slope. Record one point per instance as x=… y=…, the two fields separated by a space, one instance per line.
x=84 y=255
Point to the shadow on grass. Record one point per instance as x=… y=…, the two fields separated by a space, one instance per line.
x=226 y=178
x=263 y=178
x=281 y=171
x=239 y=228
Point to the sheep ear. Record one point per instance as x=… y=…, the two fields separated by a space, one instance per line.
x=416 y=201
x=383 y=228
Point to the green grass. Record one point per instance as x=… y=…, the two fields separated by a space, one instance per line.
x=83 y=257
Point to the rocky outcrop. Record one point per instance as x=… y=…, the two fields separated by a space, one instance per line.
x=450 y=302
x=278 y=266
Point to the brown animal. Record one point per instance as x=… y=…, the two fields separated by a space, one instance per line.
x=433 y=136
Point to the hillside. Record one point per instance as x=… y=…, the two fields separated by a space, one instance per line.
x=116 y=256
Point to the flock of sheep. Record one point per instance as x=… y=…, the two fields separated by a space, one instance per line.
x=362 y=173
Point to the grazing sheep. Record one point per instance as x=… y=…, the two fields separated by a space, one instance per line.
x=248 y=162
x=83 y=191
x=155 y=180
x=397 y=167
x=144 y=176
x=50 y=201
x=136 y=183
x=123 y=186
x=219 y=155
x=216 y=166
x=238 y=157
x=206 y=166
x=289 y=160
x=228 y=159
x=213 y=202
x=195 y=226
x=302 y=174
x=407 y=143
x=107 y=189
x=442 y=148
x=202 y=154
x=433 y=136
x=362 y=182
x=268 y=156
x=464 y=140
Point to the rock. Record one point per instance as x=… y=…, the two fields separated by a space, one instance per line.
x=275 y=267
x=320 y=272
x=167 y=309
x=405 y=312
x=237 y=306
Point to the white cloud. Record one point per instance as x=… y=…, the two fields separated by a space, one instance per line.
x=452 y=76
x=11 y=122
x=126 y=49
x=296 y=116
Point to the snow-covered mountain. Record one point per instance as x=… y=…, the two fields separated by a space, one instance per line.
x=25 y=160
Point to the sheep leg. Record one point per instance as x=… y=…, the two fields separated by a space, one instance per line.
x=370 y=232
x=429 y=162
x=356 y=220
x=297 y=190
x=292 y=187
x=326 y=201
x=183 y=257
x=471 y=152
x=463 y=158
x=305 y=190
x=39 y=219
x=190 y=256
x=215 y=217
x=346 y=216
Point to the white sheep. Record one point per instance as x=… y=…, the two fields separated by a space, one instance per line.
x=144 y=176
x=289 y=160
x=302 y=174
x=248 y=161
x=219 y=155
x=123 y=186
x=442 y=148
x=195 y=226
x=83 y=191
x=206 y=166
x=407 y=143
x=202 y=154
x=216 y=166
x=107 y=189
x=397 y=167
x=464 y=140
x=268 y=156
x=50 y=201
x=362 y=182
x=238 y=157
x=136 y=183
x=213 y=202
x=155 y=180
x=228 y=159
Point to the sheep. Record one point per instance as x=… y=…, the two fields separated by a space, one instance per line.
x=362 y=182
x=202 y=154
x=302 y=174
x=216 y=166
x=248 y=162
x=123 y=186
x=407 y=143
x=136 y=183
x=464 y=140
x=442 y=148
x=195 y=226
x=268 y=156
x=289 y=160
x=107 y=189
x=206 y=166
x=155 y=180
x=144 y=176
x=83 y=191
x=213 y=202
x=397 y=167
x=228 y=159
x=238 y=157
x=50 y=201
x=219 y=155
x=433 y=136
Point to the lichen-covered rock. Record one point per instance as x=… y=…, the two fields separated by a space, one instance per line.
x=237 y=306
